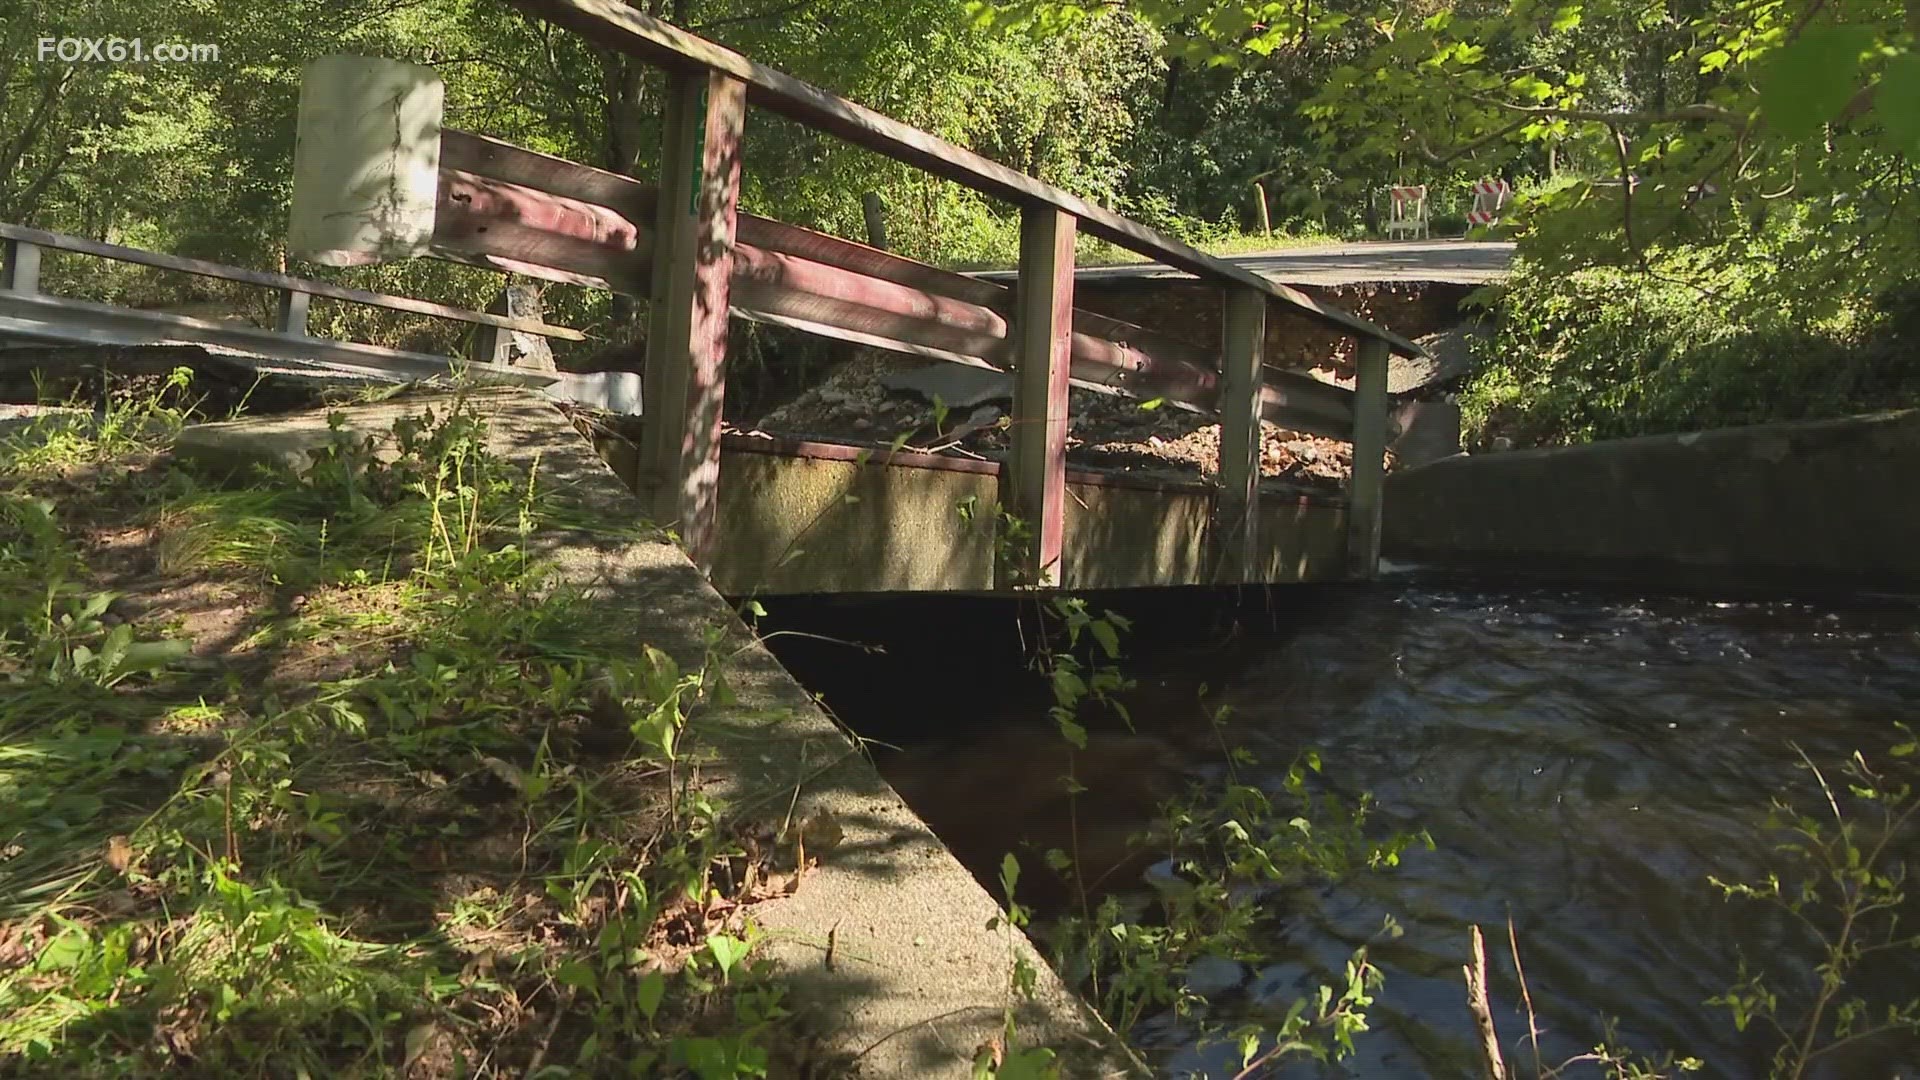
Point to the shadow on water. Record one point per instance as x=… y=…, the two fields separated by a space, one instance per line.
x=1583 y=760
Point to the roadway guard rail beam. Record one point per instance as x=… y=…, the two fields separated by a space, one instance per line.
x=703 y=260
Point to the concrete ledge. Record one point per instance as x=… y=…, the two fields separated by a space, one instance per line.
x=1811 y=503
x=917 y=981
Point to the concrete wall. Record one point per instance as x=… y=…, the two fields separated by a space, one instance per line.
x=1815 y=503
x=1125 y=538
x=1301 y=541
x=801 y=525
x=807 y=525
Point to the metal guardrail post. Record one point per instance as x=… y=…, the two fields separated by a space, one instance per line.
x=1043 y=342
x=293 y=312
x=875 y=211
x=684 y=385
x=1236 y=520
x=1368 y=484
x=19 y=266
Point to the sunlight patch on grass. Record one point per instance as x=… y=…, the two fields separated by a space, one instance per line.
x=422 y=809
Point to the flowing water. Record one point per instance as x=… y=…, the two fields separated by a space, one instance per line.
x=1582 y=761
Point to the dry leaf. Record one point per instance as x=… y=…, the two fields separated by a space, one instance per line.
x=119 y=853
x=606 y=709
x=822 y=832
x=419 y=1041
x=507 y=771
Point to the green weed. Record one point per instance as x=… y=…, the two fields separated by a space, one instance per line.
x=1606 y=354
x=419 y=815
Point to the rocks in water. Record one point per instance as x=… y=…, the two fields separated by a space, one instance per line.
x=1208 y=976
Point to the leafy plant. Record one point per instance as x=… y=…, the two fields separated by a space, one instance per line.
x=1845 y=889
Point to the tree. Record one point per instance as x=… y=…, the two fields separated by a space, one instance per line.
x=1742 y=130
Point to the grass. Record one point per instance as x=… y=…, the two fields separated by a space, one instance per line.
x=325 y=775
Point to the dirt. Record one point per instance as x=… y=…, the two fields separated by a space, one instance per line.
x=1193 y=311
x=388 y=824
x=1105 y=432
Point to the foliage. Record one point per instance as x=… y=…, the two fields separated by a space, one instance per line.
x=194 y=158
x=433 y=851
x=1845 y=887
x=1230 y=851
x=1608 y=353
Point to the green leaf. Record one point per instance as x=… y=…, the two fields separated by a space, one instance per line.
x=1108 y=637
x=1897 y=104
x=65 y=951
x=577 y=974
x=1009 y=874
x=1808 y=81
x=151 y=656
x=1033 y=1063
x=726 y=951
x=1531 y=87
x=1068 y=687
x=1072 y=731
x=648 y=993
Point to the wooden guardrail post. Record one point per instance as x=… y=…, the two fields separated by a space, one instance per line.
x=19 y=266
x=1236 y=509
x=293 y=312
x=1043 y=347
x=1368 y=484
x=874 y=209
x=684 y=384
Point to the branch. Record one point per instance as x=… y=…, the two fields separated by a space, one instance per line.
x=497 y=64
x=6 y=80
x=22 y=209
x=1701 y=111
x=15 y=150
x=759 y=16
x=1626 y=197
x=1425 y=151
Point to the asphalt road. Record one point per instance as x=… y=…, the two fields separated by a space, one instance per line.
x=1453 y=261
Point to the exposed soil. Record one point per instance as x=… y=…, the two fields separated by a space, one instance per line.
x=1113 y=433
x=1193 y=311
x=1106 y=432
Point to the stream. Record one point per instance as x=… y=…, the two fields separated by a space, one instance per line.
x=1583 y=762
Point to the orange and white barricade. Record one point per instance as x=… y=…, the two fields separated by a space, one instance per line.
x=1409 y=210
x=1489 y=199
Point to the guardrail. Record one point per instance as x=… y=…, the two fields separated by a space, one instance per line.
x=685 y=245
x=31 y=312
